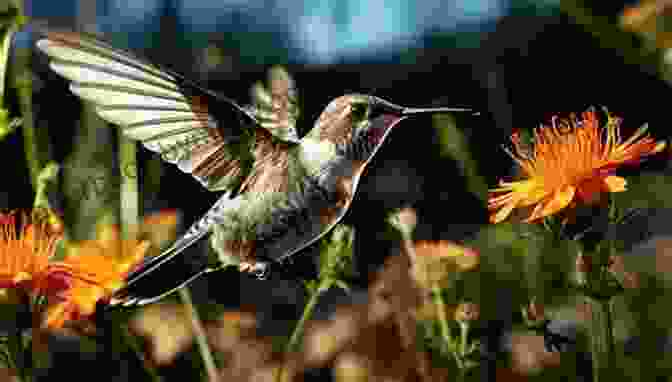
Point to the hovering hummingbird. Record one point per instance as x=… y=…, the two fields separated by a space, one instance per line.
x=281 y=193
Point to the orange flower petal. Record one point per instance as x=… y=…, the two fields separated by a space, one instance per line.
x=26 y=245
x=93 y=270
x=504 y=212
x=588 y=192
x=557 y=202
x=569 y=159
x=614 y=183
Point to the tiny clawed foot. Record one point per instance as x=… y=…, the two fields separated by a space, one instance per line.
x=260 y=270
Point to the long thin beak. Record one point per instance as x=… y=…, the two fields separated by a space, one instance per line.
x=407 y=111
x=435 y=110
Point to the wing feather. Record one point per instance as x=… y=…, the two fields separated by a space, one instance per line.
x=276 y=105
x=175 y=117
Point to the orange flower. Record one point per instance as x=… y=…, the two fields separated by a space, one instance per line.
x=26 y=245
x=571 y=162
x=435 y=261
x=93 y=270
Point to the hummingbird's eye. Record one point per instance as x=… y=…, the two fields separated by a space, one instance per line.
x=358 y=110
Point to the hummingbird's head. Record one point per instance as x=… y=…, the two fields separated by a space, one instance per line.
x=363 y=121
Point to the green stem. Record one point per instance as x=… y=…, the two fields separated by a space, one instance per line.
x=307 y=312
x=16 y=349
x=37 y=146
x=129 y=195
x=15 y=341
x=448 y=340
x=462 y=376
x=6 y=42
x=324 y=285
x=199 y=334
x=441 y=311
x=602 y=341
x=464 y=336
x=464 y=333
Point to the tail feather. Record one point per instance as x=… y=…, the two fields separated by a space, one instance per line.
x=163 y=274
x=175 y=267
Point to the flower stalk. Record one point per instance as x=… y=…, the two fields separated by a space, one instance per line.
x=324 y=286
x=601 y=288
x=602 y=340
x=199 y=334
x=335 y=260
x=21 y=363
x=443 y=319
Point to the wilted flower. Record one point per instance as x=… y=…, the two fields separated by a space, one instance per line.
x=435 y=261
x=570 y=161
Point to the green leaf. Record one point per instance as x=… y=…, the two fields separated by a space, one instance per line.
x=454 y=144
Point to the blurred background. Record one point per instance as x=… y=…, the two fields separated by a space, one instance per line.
x=518 y=62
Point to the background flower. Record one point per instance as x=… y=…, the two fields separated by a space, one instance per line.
x=570 y=161
x=26 y=246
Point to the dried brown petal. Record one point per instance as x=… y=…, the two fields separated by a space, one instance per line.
x=387 y=357
x=167 y=329
x=395 y=285
x=231 y=326
x=529 y=355
x=323 y=340
x=351 y=367
x=249 y=355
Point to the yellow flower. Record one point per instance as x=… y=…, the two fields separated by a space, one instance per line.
x=570 y=162
x=26 y=245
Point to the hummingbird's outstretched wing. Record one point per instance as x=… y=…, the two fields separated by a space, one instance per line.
x=207 y=135
x=276 y=105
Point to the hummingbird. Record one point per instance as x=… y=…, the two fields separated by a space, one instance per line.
x=281 y=193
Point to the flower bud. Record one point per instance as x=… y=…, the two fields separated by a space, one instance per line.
x=583 y=267
x=584 y=263
x=534 y=312
x=630 y=280
x=616 y=264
